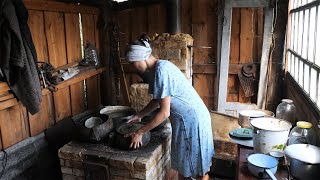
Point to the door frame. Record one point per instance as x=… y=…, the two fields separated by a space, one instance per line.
x=224 y=54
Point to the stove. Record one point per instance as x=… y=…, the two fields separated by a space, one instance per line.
x=81 y=160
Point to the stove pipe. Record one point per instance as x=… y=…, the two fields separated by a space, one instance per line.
x=173 y=16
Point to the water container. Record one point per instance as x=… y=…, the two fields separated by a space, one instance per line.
x=302 y=134
x=90 y=55
x=286 y=110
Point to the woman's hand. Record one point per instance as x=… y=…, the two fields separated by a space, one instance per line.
x=134 y=119
x=136 y=139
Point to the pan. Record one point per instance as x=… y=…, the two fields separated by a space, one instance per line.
x=262 y=165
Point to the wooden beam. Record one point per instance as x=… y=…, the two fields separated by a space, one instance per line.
x=212 y=68
x=59 y=7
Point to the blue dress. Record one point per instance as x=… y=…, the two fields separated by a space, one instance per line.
x=192 y=147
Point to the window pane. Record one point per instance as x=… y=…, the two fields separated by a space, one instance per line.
x=298 y=4
x=289 y=61
x=313 y=87
x=317 y=58
x=304 y=2
x=300 y=32
x=291 y=30
x=304 y=33
x=318 y=89
x=306 y=75
x=312 y=34
x=296 y=68
x=295 y=44
x=300 y=73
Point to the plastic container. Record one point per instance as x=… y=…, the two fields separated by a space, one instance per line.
x=302 y=134
x=286 y=110
x=90 y=55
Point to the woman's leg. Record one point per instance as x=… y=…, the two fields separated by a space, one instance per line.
x=205 y=177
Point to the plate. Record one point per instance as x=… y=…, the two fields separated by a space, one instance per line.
x=242 y=133
x=244 y=142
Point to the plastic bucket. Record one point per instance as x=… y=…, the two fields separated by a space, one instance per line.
x=269 y=134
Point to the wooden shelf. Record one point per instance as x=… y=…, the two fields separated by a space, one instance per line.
x=7 y=99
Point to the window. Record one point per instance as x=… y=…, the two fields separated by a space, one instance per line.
x=303 y=51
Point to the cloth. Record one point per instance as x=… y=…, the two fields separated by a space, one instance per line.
x=16 y=62
x=22 y=15
x=138 y=53
x=192 y=146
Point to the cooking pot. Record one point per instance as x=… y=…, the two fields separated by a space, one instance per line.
x=262 y=165
x=123 y=142
x=246 y=115
x=269 y=134
x=95 y=128
x=304 y=161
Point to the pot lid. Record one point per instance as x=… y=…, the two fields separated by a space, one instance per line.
x=304 y=152
x=270 y=124
x=263 y=160
x=242 y=133
x=252 y=113
x=304 y=124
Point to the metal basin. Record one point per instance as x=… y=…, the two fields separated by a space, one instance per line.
x=304 y=161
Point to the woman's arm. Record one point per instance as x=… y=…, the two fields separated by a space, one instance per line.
x=160 y=116
x=150 y=107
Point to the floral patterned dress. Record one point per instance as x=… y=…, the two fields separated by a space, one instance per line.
x=192 y=146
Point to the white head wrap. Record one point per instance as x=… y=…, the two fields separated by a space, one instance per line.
x=138 y=53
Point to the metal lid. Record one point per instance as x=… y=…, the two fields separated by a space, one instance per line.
x=304 y=124
x=242 y=133
x=304 y=152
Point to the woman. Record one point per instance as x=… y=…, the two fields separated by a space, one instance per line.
x=192 y=143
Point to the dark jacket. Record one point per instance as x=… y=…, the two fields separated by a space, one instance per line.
x=16 y=60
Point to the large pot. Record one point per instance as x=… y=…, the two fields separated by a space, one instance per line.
x=304 y=161
x=269 y=134
x=262 y=166
x=123 y=142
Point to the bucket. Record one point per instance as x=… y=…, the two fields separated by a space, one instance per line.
x=269 y=134
x=246 y=115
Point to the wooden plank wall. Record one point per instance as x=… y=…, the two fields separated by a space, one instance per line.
x=199 y=18
x=56 y=34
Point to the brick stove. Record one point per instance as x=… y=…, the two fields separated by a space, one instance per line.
x=81 y=160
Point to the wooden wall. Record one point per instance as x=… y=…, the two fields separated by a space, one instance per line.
x=199 y=18
x=56 y=34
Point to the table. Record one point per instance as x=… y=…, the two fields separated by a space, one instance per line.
x=242 y=171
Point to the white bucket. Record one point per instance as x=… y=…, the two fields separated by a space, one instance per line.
x=269 y=134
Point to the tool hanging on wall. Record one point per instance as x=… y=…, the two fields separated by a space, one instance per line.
x=120 y=82
x=248 y=80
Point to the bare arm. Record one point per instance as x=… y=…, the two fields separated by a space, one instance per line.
x=150 y=107
x=164 y=113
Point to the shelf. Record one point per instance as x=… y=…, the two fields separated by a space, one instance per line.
x=7 y=99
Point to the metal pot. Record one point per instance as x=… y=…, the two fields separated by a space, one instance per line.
x=269 y=134
x=95 y=128
x=262 y=165
x=304 y=161
x=246 y=115
x=124 y=142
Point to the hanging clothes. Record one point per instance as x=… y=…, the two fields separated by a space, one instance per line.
x=16 y=59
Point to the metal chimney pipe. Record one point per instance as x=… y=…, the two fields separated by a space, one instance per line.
x=173 y=16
